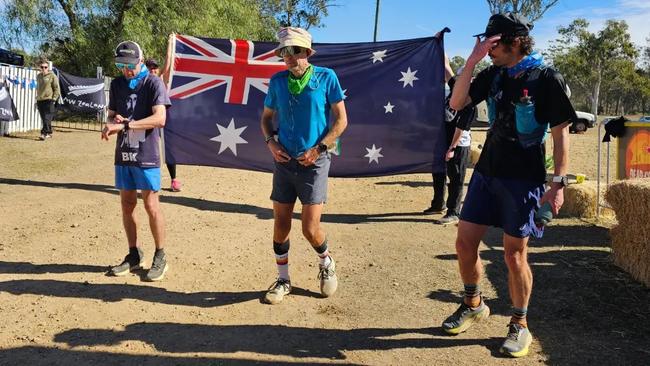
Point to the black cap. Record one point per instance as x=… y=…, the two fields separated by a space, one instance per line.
x=151 y=63
x=511 y=24
x=128 y=52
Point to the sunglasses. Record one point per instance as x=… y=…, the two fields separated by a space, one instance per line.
x=121 y=66
x=43 y=67
x=291 y=51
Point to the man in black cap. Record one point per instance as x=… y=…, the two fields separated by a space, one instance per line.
x=524 y=99
x=137 y=109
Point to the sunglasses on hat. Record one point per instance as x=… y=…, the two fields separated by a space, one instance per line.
x=290 y=51
x=121 y=66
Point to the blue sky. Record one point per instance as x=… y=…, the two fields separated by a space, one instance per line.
x=353 y=20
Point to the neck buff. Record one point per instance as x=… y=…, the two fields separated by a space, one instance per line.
x=143 y=73
x=296 y=86
x=528 y=62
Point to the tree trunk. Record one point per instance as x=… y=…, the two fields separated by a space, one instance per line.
x=596 y=91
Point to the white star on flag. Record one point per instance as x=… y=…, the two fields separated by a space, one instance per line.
x=378 y=56
x=344 y=92
x=373 y=154
x=389 y=108
x=229 y=137
x=408 y=77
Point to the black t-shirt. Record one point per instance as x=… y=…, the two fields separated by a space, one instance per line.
x=461 y=119
x=137 y=147
x=503 y=156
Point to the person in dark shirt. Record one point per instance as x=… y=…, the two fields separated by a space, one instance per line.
x=458 y=139
x=137 y=108
x=176 y=185
x=524 y=99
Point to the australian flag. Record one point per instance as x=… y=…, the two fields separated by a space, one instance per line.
x=394 y=97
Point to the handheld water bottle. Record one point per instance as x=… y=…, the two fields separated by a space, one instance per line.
x=543 y=215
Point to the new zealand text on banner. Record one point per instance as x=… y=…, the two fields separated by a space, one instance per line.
x=7 y=107
x=394 y=97
x=82 y=94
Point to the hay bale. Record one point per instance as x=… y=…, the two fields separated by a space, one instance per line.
x=630 y=199
x=474 y=153
x=579 y=200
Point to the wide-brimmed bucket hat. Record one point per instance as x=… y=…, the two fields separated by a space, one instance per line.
x=292 y=36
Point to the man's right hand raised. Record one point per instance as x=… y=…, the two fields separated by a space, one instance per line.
x=481 y=49
x=278 y=152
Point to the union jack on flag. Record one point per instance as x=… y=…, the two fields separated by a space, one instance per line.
x=210 y=67
x=394 y=97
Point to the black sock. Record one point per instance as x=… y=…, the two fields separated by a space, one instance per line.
x=134 y=251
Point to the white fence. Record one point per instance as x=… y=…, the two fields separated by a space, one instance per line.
x=24 y=98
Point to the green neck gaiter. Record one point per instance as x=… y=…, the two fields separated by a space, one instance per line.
x=296 y=86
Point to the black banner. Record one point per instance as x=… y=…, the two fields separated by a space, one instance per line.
x=82 y=94
x=7 y=107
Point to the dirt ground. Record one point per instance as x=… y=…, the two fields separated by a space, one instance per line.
x=61 y=229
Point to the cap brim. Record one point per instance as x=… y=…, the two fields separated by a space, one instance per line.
x=479 y=35
x=127 y=60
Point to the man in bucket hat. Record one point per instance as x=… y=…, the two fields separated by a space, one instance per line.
x=137 y=109
x=524 y=99
x=301 y=99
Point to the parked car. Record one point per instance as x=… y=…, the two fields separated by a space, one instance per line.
x=644 y=119
x=585 y=120
x=11 y=58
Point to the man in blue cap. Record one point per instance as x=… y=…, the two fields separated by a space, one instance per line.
x=524 y=99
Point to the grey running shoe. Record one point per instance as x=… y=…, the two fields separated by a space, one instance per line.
x=276 y=292
x=465 y=317
x=131 y=263
x=328 y=280
x=517 y=341
x=158 y=268
x=42 y=137
x=447 y=219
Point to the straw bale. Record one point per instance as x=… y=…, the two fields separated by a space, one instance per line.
x=630 y=199
x=579 y=200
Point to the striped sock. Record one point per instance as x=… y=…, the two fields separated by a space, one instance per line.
x=471 y=290
x=282 y=258
x=519 y=313
x=323 y=254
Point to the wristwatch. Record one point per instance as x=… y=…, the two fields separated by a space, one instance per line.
x=321 y=147
x=562 y=179
x=268 y=138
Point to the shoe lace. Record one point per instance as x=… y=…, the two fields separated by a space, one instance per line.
x=158 y=263
x=513 y=332
x=324 y=273
x=280 y=283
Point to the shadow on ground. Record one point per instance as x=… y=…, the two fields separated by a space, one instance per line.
x=53 y=356
x=262 y=213
x=119 y=292
x=276 y=340
x=583 y=309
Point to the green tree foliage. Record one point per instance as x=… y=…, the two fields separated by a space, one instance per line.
x=594 y=62
x=79 y=35
x=457 y=62
x=297 y=13
x=532 y=9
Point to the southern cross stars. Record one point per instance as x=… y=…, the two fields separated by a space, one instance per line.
x=408 y=77
x=373 y=154
x=229 y=137
x=389 y=108
x=378 y=56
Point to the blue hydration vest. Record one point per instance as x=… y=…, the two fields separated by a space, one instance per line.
x=526 y=129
